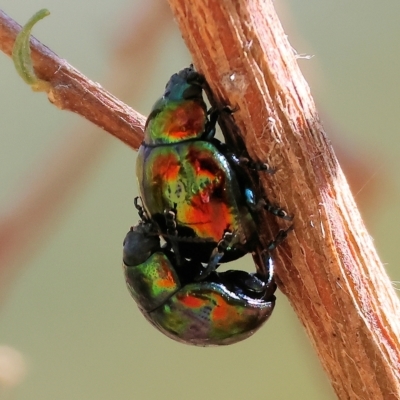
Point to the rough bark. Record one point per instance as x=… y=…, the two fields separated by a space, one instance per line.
x=328 y=267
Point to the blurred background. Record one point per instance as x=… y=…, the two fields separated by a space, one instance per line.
x=68 y=327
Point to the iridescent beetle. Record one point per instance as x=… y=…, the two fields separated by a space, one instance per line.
x=191 y=185
x=223 y=308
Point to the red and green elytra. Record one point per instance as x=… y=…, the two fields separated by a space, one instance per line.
x=190 y=184
x=223 y=308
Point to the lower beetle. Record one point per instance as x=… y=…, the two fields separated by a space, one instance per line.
x=223 y=308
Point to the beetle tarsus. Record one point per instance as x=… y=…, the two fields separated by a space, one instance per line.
x=279 y=238
x=268 y=206
x=142 y=213
x=216 y=255
x=256 y=166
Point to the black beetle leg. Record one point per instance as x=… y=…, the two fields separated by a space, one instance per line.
x=256 y=166
x=279 y=238
x=170 y=220
x=211 y=122
x=267 y=205
x=142 y=213
x=213 y=114
x=216 y=255
x=269 y=279
x=267 y=261
x=246 y=162
x=277 y=211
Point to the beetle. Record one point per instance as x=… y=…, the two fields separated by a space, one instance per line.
x=191 y=184
x=223 y=308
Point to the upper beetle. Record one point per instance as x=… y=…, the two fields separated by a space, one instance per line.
x=191 y=185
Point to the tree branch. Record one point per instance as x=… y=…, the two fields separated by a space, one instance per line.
x=70 y=90
x=328 y=267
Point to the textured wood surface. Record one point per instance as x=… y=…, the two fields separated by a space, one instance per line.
x=328 y=267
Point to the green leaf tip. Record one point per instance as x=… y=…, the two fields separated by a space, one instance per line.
x=21 y=54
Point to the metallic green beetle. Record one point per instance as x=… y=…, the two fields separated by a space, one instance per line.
x=191 y=185
x=223 y=308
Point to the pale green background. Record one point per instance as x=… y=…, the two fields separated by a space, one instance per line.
x=70 y=314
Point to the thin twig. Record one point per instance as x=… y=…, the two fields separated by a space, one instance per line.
x=70 y=90
x=328 y=267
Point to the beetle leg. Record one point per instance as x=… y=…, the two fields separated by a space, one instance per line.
x=211 y=122
x=267 y=275
x=254 y=285
x=216 y=255
x=277 y=211
x=269 y=280
x=213 y=114
x=279 y=238
x=170 y=220
x=264 y=203
x=142 y=213
x=241 y=161
x=255 y=165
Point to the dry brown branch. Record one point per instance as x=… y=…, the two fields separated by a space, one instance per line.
x=74 y=92
x=328 y=267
